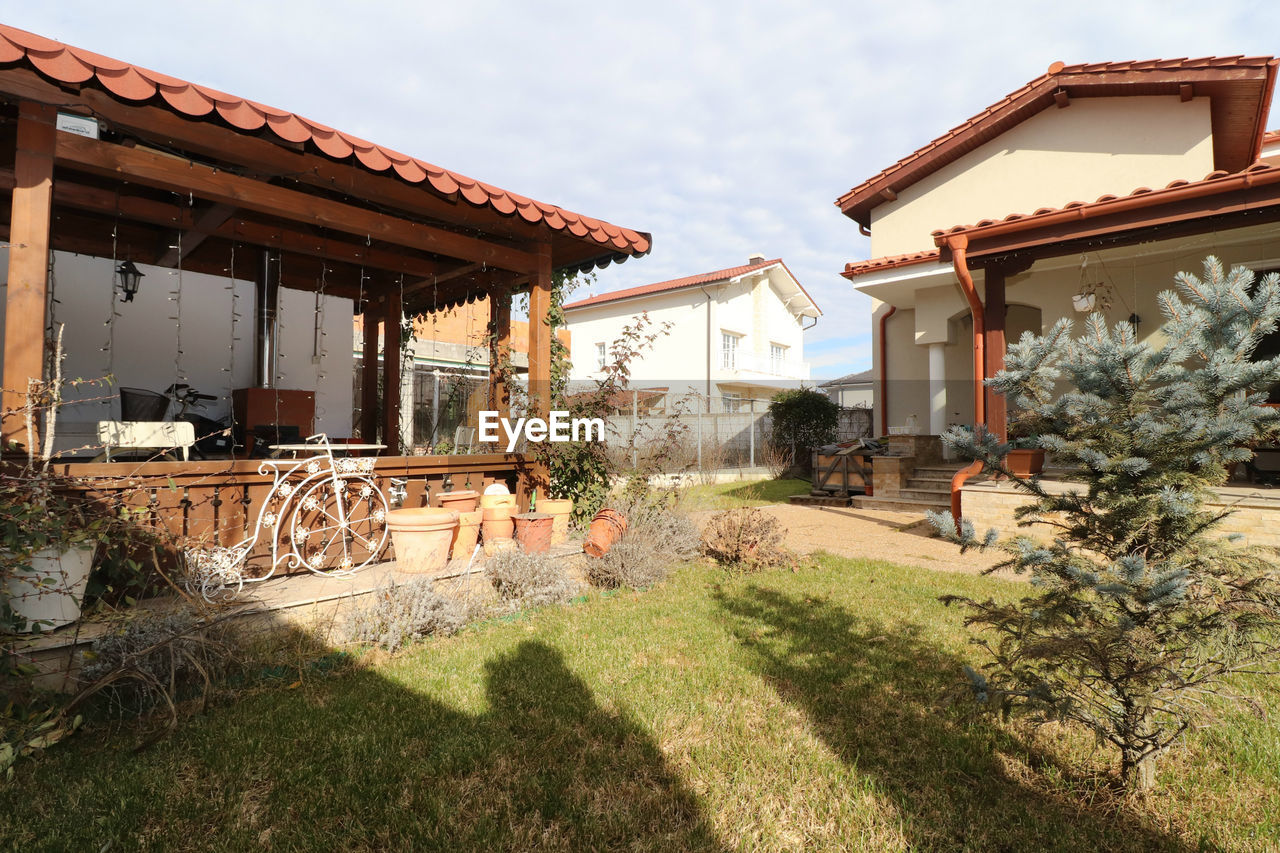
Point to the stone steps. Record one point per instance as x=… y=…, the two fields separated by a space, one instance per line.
x=900 y=504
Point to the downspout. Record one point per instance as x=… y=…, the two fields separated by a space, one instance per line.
x=959 y=245
x=884 y=371
x=708 y=295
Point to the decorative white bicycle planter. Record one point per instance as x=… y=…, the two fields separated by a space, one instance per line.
x=323 y=513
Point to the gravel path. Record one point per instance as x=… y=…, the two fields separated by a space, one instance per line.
x=897 y=537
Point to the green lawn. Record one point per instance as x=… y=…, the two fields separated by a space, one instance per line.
x=737 y=494
x=784 y=711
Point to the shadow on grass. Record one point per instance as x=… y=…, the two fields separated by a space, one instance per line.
x=768 y=491
x=359 y=761
x=879 y=698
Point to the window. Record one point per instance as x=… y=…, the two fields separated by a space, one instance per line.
x=729 y=350
x=732 y=403
x=777 y=358
x=601 y=355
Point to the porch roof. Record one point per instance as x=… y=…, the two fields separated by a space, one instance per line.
x=439 y=236
x=1250 y=196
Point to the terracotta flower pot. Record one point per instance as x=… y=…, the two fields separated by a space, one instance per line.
x=497 y=546
x=560 y=510
x=533 y=531
x=492 y=501
x=467 y=534
x=421 y=537
x=460 y=502
x=1024 y=462
x=497 y=523
x=606 y=528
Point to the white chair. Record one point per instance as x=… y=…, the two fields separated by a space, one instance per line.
x=116 y=436
x=464 y=437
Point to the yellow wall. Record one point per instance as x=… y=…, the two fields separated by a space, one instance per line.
x=1078 y=153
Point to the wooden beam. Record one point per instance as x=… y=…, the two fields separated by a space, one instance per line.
x=166 y=172
x=205 y=225
x=1061 y=98
x=24 y=320
x=1186 y=92
x=540 y=336
x=499 y=350
x=994 y=347
x=369 y=379
x=391 y=375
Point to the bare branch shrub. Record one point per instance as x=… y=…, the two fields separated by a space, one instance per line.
x=630 y=563
x=531 y=580
x=407 y=612
x=777 y=457
x=747 y=539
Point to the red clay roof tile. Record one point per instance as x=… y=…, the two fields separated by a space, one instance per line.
x=67 y=64
x=1153 y=198
x=690 y=281
x=857 y=268
x=1019 y=105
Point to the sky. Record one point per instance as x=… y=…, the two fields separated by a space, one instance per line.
x=722 y=129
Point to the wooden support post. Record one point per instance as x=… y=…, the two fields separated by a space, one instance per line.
x=997 y=410
x=369 y=380
x=24 y=320
x=499 y=350
x=540 y=335
x=391 y=374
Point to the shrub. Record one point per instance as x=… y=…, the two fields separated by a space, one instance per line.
x=631 y=563
x=406 y=612
x=529 y=579
x=747 y=538
x=803 y=418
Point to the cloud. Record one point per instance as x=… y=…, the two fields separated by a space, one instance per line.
x=722 y=134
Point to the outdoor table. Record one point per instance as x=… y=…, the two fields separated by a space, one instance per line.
x=338 y=449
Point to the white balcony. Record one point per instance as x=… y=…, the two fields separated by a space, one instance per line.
x=739 y=364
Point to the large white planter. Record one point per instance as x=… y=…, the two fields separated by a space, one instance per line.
x=52 y=591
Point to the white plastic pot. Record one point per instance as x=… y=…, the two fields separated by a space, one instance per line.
x=51 y=592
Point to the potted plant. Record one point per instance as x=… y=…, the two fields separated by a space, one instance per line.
x=1025 y=457
x=48 y=537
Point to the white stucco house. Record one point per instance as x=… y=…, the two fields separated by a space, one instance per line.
x=852 y=391
x=736 y=334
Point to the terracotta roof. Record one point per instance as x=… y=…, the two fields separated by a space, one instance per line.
x=1271 y=137
x=1237 y=123
x=687 y=281
x=1215 y=182
x=73 y=65
x=888 y=262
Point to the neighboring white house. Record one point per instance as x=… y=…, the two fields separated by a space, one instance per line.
x=854 y=391
x=736 y=333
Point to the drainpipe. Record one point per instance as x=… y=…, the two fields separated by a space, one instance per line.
x=959 y=245
x=884 y=371
x=708 y=295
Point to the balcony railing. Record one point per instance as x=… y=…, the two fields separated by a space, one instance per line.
x=744 y=362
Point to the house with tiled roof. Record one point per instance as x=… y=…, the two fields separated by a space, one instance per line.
x=851 y=391
x=1087 y=189
x=736 y=334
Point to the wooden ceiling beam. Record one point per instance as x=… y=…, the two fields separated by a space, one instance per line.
x=240 y=229
x=189 y=239
x=176 y=175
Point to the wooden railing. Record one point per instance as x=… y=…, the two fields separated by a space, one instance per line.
x=217 y=502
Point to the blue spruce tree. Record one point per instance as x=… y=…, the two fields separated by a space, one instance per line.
x=1140 y=604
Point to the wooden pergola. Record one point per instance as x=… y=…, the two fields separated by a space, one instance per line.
x=397 y=235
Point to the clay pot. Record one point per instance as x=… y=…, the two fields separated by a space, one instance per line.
x=460 y=501
x=497 y=523
x=467 y=534
x=421 y=537
x=492 y=501
x=533 y=532
x=606 y=528
x=560 y=510
x=1025 y=462
x=497 y=546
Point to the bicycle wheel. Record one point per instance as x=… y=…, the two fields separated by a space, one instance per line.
x=339 y=525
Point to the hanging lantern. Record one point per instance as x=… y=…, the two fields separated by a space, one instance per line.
x=130 y=277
